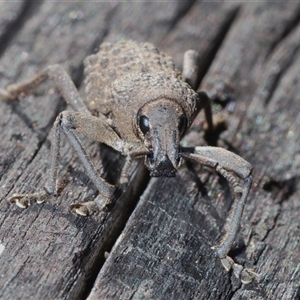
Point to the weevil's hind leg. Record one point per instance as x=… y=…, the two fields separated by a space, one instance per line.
x=213 y=126
x=190 y=70
x=190 y=74
x=226 y=163
x=205 y=103
x=61 y=80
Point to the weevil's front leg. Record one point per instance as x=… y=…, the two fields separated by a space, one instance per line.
x=93 y=128
x=61 y=80
x=226 y=162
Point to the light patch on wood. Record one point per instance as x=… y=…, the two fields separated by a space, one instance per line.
x=2 y=247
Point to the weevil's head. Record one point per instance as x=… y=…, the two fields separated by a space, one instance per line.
x=160 y=125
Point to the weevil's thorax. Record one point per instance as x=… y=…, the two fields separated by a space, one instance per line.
x=121 y=78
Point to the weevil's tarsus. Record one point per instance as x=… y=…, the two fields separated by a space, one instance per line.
x=25 y=200
x=86 y=208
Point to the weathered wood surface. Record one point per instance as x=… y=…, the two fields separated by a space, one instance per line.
x=250 y=56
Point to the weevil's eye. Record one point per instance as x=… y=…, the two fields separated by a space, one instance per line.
x=182 y=124
x=144 y=124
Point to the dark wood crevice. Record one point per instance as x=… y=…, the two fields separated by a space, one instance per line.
x=27 y=9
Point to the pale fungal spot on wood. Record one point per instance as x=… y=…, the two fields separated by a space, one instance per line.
x=2 y=247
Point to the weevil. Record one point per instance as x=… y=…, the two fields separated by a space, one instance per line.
x=139 y=104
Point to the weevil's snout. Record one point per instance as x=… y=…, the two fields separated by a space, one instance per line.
x=161 y=124
x=164 y=167
x=164 y=157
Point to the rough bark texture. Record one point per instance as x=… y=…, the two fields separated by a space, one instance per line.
x=250 y=61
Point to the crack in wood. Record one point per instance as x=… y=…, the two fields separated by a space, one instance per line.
x=27 y=10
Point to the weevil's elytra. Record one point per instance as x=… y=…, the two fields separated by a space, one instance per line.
x=140 y=105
